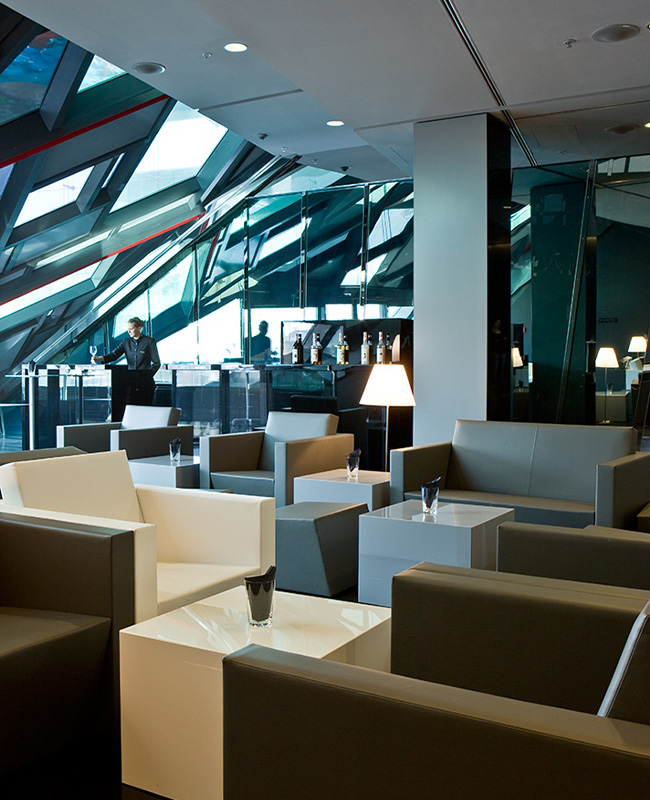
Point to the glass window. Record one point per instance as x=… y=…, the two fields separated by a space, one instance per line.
x=24 y=82
x=178 y=151
x=54 y=195
x=50 y=290
x=98 y=72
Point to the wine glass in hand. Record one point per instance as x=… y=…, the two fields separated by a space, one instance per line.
x=93 y=353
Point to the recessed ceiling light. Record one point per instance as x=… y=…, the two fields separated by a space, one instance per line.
x=621 y=130
x=149 y=68
x=335 y=123
x=235 y=47
x=647 y=125
x=616 y=33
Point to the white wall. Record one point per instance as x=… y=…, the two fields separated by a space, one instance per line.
x=450 y=275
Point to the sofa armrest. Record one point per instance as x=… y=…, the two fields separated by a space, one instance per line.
x=228 y=451
x=210 y=527
x=415 y=734
x=146 y=442
x=622 y=490
x=608 y=556
x=410 y=467
x=305 y=456
x=92 y=437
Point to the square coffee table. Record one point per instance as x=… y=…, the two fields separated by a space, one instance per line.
x=159 y=471
x=372 y=488
x=171 y=678
x=395 y=538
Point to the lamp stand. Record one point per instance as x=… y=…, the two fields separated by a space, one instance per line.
x=386 y=468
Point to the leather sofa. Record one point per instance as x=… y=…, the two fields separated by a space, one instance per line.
x=189 y=544
x=570 y=475
x=66 y=589
x=143 y=432
x=501 y=686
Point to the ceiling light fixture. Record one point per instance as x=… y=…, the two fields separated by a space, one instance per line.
x=621 y=130
x=149 y=68
x=235 y=47
x=335 y=123
x=616 y=33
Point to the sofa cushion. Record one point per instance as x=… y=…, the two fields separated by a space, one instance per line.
x=150 y=416
x=257 y=481
x=182 y=584
x=96 y=484
x=285 y=426
x=627 y=695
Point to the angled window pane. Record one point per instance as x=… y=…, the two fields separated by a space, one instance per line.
x=52 y=196
x=178 y=152
x=24 y=82
x=98 y=72
x=47 y=291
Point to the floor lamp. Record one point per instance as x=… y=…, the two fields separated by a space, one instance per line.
x=388 y=385
x=606 y=358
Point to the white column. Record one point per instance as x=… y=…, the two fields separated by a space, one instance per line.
x=450 y=275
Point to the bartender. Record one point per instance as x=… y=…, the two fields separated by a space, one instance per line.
x=142 y=357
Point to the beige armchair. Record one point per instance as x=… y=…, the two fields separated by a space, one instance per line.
x=144 y=431
x=188 y=544
x=265 y=462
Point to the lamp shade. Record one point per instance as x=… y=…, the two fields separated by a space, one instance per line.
x=638 y=344
x=606 y=358
x=517 y=360
x=388 y=385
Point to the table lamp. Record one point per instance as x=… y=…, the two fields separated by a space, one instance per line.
x=388 y=385
x=607 y=359
x=517 y=360
x=637 y=345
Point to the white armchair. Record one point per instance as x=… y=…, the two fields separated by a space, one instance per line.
x=265 y=462
x=189 y=544
x=144 y=431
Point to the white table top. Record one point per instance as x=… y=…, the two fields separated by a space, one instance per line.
x=459 y=514
x=367 y=476
x=165 y=461
x=313 y=626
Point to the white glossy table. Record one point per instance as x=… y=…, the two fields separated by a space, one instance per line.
x=171 y=678
x=372 y=488
x=159 y=471
x=395 y=538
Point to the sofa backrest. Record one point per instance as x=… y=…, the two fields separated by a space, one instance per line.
x=288 y=426
x=532 y=459
x=150 y=416
x=96 y=484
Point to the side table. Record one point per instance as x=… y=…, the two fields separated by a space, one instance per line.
x=372 y=488
x=159 y=471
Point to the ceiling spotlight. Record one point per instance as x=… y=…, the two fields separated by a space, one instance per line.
x=149 y=68
x=616 y=33
x=335 y=123
x=647 y=125
x=235 y=47
x=206 y=55
x=262 y=136
x=621 y=130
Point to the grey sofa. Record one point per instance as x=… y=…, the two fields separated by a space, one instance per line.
x=497 y=691
x=65 y=591
x=265 y=462
x=571 y=475
x=143 y=432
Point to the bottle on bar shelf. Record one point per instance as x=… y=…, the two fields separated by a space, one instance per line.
x=342 y=349
x=381 y=349
x=365 y=349
x=388 y=350
x=297 y=351
x=316 y=350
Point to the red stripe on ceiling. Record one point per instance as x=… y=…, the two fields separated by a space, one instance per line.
x=53 y=142
x=97 y=260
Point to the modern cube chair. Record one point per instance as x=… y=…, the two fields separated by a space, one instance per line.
x=144 y=431
x=266 y=462
x=189 y=544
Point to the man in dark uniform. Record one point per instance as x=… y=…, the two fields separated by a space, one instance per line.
x=143 y=360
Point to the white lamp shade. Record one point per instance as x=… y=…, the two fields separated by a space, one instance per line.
x=388 y=385
x=638 y=344
x=606 y=358
x=517 y=360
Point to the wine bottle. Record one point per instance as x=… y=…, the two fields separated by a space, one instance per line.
x=346 y=350
x=316 y=350
x=388 y=350
x=381 y=351
x=365 y=349
x=297 y=351
x=340 y=350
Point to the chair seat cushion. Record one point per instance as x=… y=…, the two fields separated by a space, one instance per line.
x=22 y=628
x=182 y=584
x=542 y=510
x=256 y=481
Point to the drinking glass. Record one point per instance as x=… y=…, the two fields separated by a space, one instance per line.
x=259 y=589
x=430 y=497
x=93 y=352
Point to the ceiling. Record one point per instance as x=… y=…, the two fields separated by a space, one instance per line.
x=380 y=66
